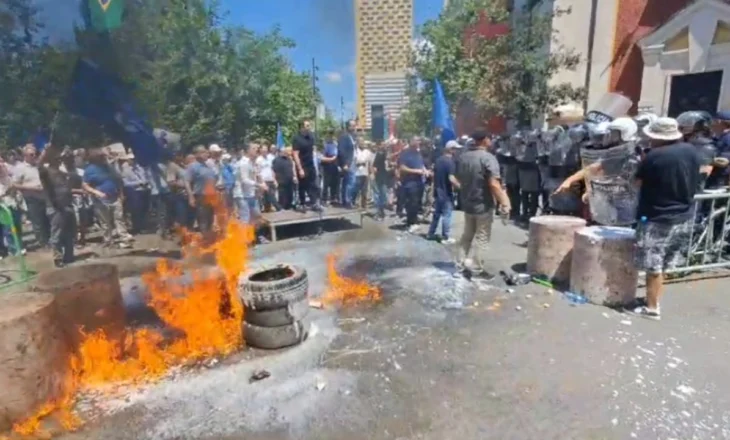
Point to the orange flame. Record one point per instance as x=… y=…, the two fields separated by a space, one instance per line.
x=206 y=313
x=346 y=291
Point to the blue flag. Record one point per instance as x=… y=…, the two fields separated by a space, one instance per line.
x=279 y=137
x=441 y=115
x=41 y=139
x=106 y=99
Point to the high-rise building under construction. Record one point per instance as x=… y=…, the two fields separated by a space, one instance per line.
x=384 y=34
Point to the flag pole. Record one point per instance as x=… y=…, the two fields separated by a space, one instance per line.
x=53 y=128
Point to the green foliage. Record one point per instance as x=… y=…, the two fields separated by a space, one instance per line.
x=507 y=75
x=326 y=125
x=192 y=74
x=416 y=118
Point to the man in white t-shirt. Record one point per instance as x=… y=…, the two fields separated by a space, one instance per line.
x=264 y=163
x=248 y=207
x=363 y=167
x=27 y=180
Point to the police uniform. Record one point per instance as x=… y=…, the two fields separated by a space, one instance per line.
x=721 y=176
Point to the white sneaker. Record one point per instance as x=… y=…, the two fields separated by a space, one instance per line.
x=449 y=241
x=413 y=229
x=648 y=313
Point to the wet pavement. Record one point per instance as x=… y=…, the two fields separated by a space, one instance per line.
x=442 y=358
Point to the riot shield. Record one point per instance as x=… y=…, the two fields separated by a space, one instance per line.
x=512 y=148
x=518 y=146
x=608 y=108
x=561 y=165
x=612 y=195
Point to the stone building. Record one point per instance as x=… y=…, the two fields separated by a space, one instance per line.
x=667 y=56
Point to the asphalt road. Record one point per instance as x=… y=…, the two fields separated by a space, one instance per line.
x=441 y=358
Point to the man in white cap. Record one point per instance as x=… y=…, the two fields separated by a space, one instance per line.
x=444 y=186
x=216 y=153
x=668 y=179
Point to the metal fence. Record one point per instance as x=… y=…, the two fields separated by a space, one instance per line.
x=708 y=247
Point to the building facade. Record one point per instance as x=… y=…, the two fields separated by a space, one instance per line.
x=386 y=89
x=667 y=56
x=383 y=33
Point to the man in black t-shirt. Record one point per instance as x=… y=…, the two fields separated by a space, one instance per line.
x=412 y=172
x=59 y=187
x=303 y=144
x=381 y=170
x=481 y=188
x=284 y=173
x=444 y=184
x=668 y=179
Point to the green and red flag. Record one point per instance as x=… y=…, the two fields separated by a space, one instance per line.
x=105 y=15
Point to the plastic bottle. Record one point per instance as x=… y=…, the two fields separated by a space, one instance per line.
x=575 y=298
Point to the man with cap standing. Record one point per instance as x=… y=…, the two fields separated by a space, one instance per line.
x=479 y=179
x=668 y=179
x=444 y=184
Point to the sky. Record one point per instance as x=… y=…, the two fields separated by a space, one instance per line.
x=323 y=30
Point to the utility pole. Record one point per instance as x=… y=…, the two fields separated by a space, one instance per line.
x=342 y=112
x=315 y=68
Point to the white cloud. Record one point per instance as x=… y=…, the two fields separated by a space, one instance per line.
x=333 y=77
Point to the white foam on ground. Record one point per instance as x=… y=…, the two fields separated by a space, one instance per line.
x=221 y=401
x=557 y=219
x=608 y=233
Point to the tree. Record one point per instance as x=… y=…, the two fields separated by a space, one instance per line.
x=191 y=73
x=415 y=119
x=505 y=74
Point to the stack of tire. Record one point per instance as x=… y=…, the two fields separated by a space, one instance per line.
x=276 y=305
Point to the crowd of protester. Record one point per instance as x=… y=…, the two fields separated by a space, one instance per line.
x=62 y=193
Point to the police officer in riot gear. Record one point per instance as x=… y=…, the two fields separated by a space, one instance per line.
x=528 y=174
x=511 y=175
x=563 y=161
x=696 y=128
x=546 y=144
x=720 y=176
x=613 y=170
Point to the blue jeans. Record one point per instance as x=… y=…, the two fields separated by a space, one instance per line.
x=360 y=189
x=248 y=209
x=443 y=208
x=178 y=210
x=348 y=183
x=380 y=192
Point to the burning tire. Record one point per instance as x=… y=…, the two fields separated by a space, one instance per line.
x=293 y=312
x=273 y=287
x=271 y=338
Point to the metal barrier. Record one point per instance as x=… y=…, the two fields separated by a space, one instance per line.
x=708 y=247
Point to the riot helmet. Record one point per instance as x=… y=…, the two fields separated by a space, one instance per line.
x=596 y=135
x=644 y=119
x=693 y=122
x=578 y=133
x=621 y=130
